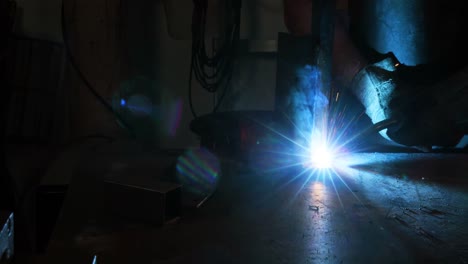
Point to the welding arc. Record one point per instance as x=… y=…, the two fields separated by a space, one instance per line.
x=81 y=75
x=211 y=72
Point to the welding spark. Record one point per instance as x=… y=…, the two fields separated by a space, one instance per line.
x=320 y=139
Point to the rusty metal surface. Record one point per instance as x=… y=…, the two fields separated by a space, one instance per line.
x=378 y=208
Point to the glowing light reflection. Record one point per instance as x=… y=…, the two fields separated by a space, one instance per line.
x=140 y=105
x=321 y=140
x=174 y=116
x=141 y=112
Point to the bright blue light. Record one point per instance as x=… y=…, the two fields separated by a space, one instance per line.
x=123 y=102
x=321 y=157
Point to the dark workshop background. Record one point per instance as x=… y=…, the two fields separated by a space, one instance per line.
x=115 y=41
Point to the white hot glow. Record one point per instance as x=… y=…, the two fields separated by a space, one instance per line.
x=321 y=157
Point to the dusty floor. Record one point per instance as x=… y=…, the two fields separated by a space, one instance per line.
x=372 y=208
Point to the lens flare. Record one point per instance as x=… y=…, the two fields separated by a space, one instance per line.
x=149 y=110
x=314 y=140
x=140 y=105
x=198 y=171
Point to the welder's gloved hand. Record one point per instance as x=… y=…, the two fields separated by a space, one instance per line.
x=417 y=118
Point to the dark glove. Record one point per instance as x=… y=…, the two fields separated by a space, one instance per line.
x=421 y=118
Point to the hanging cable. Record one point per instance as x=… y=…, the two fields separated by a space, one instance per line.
x=81 y=75
x=213 y=72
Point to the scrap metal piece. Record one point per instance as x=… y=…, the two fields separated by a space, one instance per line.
x=314 y=208
x=6 y=237
x=146 y=200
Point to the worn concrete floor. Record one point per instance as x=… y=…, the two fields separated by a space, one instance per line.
x=372 y=208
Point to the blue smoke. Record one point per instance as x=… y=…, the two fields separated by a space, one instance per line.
x=308 y=105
